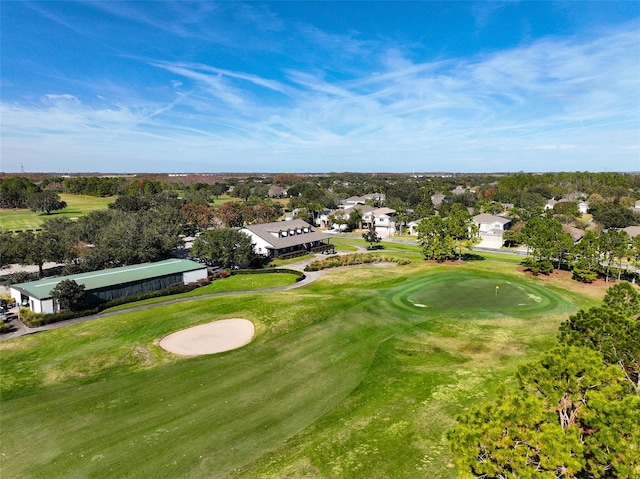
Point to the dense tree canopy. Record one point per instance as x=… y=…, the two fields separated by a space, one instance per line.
x=15 y=191
x=46 y=201
x=443 y=238
x=225 y=246
x=571 y=415
x=614 y=215
x=575 y=412
x=547 y=241
x=69 y=295
x=612 y=329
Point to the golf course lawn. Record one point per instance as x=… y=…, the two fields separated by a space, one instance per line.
x=346 y=377
x=77 y=205
x=479 y=295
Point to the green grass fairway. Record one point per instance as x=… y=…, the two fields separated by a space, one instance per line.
x=345 y=378
x=479 y=294
x=77 y=205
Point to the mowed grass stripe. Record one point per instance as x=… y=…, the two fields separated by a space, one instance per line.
x=285 y=385
x=334 y=366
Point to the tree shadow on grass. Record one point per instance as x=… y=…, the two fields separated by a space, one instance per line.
x=472 y=257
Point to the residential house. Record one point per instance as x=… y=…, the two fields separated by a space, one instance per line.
x=583 y=207
x=491 y=229
x=552 y=202
x=632 y=231
x=361 y=200
x=283 y=238
x=381 y=220
x=412 y=227
x=507 y=206
x=276 y=191
x=576 y=233
x=438 y=199
x=322 y=219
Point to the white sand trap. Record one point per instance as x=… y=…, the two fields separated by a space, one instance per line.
x=215 y=337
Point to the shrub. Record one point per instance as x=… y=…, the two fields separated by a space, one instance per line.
x=544 y=266
x=31 y=319
x=352 y=259
x=584 y=275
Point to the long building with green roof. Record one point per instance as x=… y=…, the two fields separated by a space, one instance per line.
x=107 y=284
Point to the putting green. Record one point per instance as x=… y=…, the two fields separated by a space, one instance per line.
x=476 y=293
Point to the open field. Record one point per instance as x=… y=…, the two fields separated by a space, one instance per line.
x=345 y=378
x=77 y=205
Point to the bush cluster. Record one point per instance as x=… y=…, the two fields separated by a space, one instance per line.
x=538 y=266
x=351 y=260
x=31 y=319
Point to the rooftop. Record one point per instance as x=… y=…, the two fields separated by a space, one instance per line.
x=41 y=289
x=283 y=234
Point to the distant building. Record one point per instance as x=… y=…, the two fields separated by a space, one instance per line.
x=583 y=207
x=438 y=199
x=361 y=200
x=276 y=191
x=632 y=231
x=104 y=285
x=576 y=233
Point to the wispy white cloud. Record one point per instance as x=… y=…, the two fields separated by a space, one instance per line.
x=552 y=104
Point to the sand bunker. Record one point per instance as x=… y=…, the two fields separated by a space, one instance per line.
x=215 y=337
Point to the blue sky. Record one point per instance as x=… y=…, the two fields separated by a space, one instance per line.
x=319 y=86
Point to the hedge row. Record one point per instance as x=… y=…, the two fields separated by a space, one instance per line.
x=351 y=260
